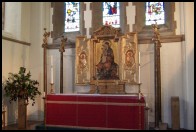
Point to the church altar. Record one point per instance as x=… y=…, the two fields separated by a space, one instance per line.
x=95 y=111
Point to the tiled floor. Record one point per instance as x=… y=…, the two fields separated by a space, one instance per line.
x=30 y=126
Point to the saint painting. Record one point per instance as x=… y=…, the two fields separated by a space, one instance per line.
x=129 y=59
x=83 y=61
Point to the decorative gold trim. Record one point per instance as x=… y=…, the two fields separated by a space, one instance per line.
x=82 y=61
x=107 y=31
x=52 y=88
x=62 y=46
x=129 y=43
x=105 y=65
x=96 y=103
x=45 y=39
x=98 y=128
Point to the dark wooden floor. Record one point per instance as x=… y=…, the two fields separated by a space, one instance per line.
x=30 y=126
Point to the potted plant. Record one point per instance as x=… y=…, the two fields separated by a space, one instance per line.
x=21 y=87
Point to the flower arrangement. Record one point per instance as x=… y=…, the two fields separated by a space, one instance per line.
x=20 y=85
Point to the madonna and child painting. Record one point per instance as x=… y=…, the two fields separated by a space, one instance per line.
x=107 y=69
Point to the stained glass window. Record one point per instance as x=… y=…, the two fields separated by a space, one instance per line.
x=3 y=14
x=111 y=14
x=72 y=16
x=155 y=12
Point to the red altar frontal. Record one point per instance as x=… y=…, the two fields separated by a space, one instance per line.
x=95 y=111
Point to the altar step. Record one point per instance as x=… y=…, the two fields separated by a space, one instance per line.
x=162 y=126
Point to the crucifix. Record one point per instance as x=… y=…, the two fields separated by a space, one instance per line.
x=62 y=49
x=157 y=74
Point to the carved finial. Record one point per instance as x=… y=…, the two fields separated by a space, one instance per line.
x=156 y=37
x=62 y=46
x=45 y=39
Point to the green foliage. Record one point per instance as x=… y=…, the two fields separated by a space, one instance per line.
x=21 y=86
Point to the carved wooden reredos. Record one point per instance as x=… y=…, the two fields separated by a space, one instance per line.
x=107 y=60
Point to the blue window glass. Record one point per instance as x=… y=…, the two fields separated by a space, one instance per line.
x=111 y=14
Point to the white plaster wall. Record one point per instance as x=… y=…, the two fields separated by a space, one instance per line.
x=13 y=19
x=69 y=74
x=171 y=79
x=39 y=20
x=147 y=76
x=68 y=70
x=88 y=18
x=172 y=73
x=14 y=56
x=177 y=65
x=130 y=11
x=188 y=45
x=25 y=21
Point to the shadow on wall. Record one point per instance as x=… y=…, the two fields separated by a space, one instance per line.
x=189 y=104
x=36 y=116
x=172 y=85
x=10 y=108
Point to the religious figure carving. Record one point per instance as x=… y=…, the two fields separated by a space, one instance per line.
x=107 y=69
x=45 y=39
x=62 y=46
x=129 y=59
x=83 y=61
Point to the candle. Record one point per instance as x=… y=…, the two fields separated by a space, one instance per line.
x=139 y=74
x=52 y=81
x=51 y=57
x=52 y=74
x=139 y=96
x=139 y=69
x=44 y=94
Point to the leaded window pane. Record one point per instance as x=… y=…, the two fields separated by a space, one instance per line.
x=155 y=12
x=111 y=14
x=72 y=16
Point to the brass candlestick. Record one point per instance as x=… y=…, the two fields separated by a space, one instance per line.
x=52 y=89
x=97 y=87
x=139 y=91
